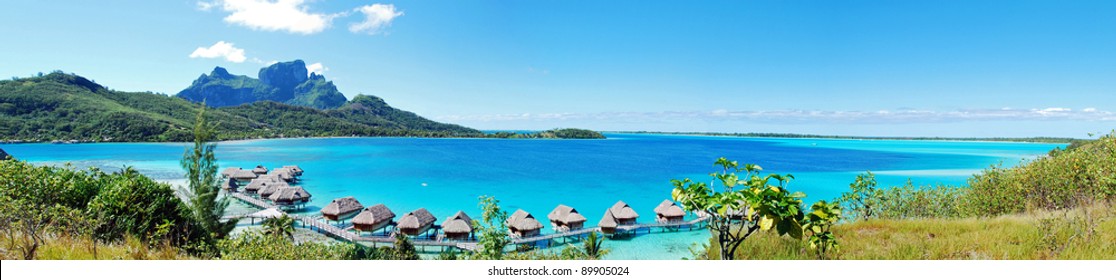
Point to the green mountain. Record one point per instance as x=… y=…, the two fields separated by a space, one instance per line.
x=62 y=106
x=284 y=82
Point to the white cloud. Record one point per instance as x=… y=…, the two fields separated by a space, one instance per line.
x=220 y=49
x=904 y=116
x=316 y=68
x=280 y=15
x=376 y=18
x=206 y=6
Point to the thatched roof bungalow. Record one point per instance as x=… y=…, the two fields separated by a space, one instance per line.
x=229 y=171
x=565 y=218
x=373 y=218
x=669 y=212
x=341 y=208
x=230 y=185
x=416 y=222
x=285 y=196
x=266 y=188
x=260 y=169
x=243 y=175
x=458 y=227
x=294 y=168
x=617 y=215
x=522 y=224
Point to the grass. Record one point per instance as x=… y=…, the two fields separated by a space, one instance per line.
x=1082 y=233
x=80 y=248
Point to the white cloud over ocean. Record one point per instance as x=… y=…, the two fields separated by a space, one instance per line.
x=904 y=116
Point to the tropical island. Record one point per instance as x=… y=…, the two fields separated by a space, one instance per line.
x=69 y=108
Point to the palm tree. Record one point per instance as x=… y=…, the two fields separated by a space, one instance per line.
x=592 y=246
x=279 y=226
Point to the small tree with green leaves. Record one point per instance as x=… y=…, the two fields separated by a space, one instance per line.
x=203 y=189
x=822 y=216
x=493 y=233
x=744 y=205
x=863 y=199
x=403 y=249
x=592 y=246
x=282 y=226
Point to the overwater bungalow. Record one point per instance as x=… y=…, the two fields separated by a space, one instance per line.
x=290 y=196
x=265 y=214
x=258 y=184
x=522 y=224
x=416 y=223
x=241 y=175
x=458 y=227
x=294 y=168
x=260 y=169
x=341 y=208
x=283 y=174
x=618 y=215
x=373 y=218
x=229 y=171
x=267 y=188
x=230 y=185
x=565 y=218
x=669 y=212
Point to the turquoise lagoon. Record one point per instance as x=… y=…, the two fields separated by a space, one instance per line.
x=447 y=175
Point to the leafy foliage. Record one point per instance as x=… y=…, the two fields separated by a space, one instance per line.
x=863 y=197
x=257 y=245
x=735 y=214
x=492 y=235
x=203 y=186
x=821 y=218
x=282 y=226
x=44 y=202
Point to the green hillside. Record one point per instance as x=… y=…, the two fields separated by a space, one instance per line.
x=61 y=106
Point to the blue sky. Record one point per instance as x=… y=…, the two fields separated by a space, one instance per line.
x=902 y=68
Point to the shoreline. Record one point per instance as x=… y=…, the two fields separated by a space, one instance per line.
x=1032 y=140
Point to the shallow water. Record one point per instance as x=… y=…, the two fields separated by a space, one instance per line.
x=446 y=175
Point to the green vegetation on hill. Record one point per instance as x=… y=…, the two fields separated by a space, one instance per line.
x=284 y=82
x=558 y=133
x=62 y=106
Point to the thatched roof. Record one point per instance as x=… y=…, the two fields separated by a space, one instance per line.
x=621 y=210
x=241 y=174
x=260 y=169
x=269 y=188
x=267 y=213
x=259 y=184
x=565 y=214
x=294 y=168
x=458 y=223
x=374 y=215
x=608 y=221
x=342 y=205
x=229 y=185
x=416 y=219
x=523 y=221
x=669 y=209
x=229 y=171
x=289 y=194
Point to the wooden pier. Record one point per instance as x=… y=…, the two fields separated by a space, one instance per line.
x=314 y=223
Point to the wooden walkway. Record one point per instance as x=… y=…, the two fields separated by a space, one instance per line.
x=314 y=222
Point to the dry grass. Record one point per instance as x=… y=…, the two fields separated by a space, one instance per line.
x=66 y=248
x=1082 y=233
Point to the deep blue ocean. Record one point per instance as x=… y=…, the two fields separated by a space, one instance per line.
x=446 y=175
